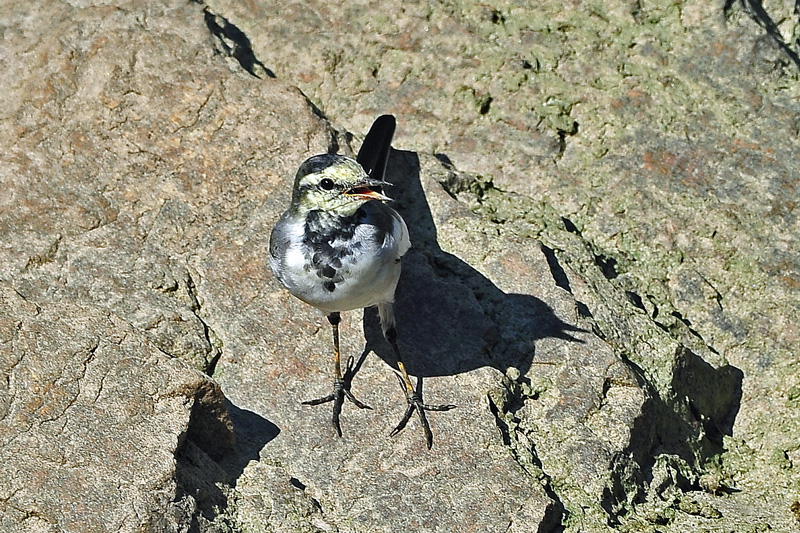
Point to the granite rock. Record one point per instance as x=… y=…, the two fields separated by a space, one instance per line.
x=92 y=415
x=601 y=279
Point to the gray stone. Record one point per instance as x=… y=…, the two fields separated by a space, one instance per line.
x=91 y=417
x=602 y=280
x=664 y=134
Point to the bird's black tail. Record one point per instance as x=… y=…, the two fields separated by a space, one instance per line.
x=374 y=153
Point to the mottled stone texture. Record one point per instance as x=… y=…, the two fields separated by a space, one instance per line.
x=92 y=414
x=604 y=280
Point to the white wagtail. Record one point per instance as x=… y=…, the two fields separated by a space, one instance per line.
x=338 y=248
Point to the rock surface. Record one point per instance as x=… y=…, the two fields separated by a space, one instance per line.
x=92 y=414
x=603 y=278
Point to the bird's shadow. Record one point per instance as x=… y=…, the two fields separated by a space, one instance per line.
x=451 y=319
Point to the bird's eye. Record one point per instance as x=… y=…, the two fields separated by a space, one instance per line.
x=326 y=184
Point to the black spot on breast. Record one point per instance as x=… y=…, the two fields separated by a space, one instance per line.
x=329 y=286
x=322 y=230
x=327 y=257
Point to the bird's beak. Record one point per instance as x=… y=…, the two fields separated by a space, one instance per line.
x=363 y=191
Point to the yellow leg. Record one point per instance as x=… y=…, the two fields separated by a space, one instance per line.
x=413 y=396
x=341 y=382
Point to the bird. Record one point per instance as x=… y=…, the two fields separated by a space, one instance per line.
x=338 y=247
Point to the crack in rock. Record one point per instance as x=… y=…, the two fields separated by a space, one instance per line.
x=687 y=411
x=503 y=403
x=210 y=337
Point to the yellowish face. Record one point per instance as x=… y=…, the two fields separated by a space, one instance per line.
x=335 y=184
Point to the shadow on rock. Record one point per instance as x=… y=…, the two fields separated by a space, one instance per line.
x=252 y=433
x=219 y=443
x=677 y=435
x=451 y=319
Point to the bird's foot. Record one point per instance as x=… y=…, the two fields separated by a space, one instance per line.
x=341 y=390
x=415 y=403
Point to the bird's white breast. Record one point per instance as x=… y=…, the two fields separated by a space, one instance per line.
x=365 y=276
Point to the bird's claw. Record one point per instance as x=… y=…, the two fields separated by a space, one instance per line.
x=415 y=404
x=341 y=390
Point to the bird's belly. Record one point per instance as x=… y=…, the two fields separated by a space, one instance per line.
x=364 y=283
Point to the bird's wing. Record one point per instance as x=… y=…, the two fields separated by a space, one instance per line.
x=400 y=233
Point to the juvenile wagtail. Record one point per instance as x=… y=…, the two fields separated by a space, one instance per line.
x=338 y=248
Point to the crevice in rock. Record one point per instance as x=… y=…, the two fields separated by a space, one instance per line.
x=608 y=265
x=203 y=486
x=553 y=519
x=562 y=140
x=756 y=11
x=636 y=300
x=219 y=442
x=212 y=340
x=678 y=437
x=485 y=104
x=299 y=485
x=686 y=323
x=682 y=428
x=584 y=311
x=558 y=273
x=503 y=403
x=570 y=226
x=210 y=427
x=562 y=145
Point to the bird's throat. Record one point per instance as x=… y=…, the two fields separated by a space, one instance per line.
x=327 y=226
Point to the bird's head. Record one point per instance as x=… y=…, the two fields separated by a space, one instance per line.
x=335 y=184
